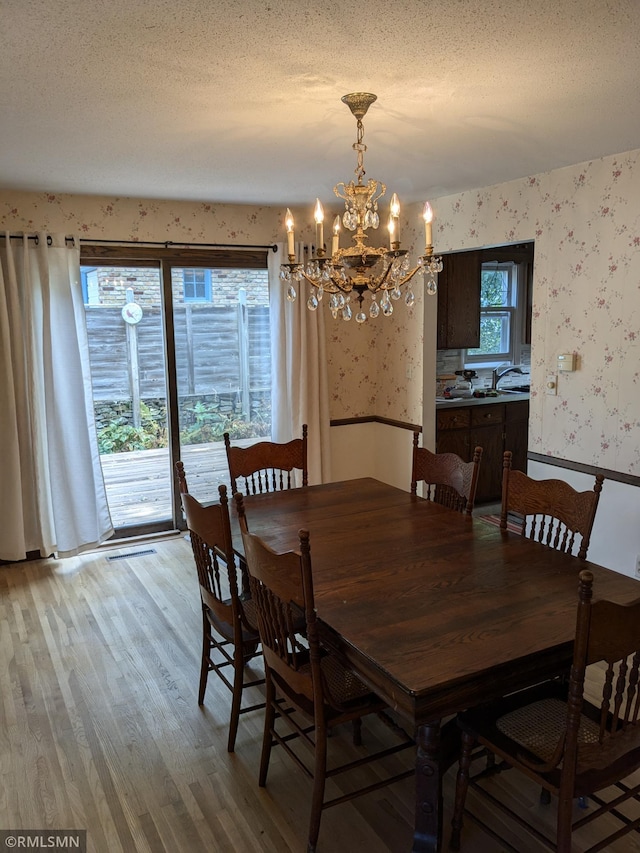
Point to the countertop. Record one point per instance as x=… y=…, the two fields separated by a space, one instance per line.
x=465 y=402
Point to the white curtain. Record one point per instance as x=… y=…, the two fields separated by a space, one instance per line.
x=52 y=498
x=300 y=391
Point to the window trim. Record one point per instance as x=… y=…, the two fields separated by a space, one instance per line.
x=513 y=356
x=207 y=287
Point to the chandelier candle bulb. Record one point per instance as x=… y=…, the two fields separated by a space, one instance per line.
x=428 y=219
x=318 y=215
x=288 y=221
x=392 y=232
x=335 y=243
x=395 y=215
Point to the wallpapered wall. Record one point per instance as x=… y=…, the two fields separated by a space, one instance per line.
x=352 y=350
x=585 y=220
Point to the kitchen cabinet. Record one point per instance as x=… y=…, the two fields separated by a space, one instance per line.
x=487 y=430
x=452 y=432
x=516 y=432
x=495 y=427
x=459 y=301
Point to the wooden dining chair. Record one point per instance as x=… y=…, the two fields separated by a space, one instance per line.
x=571 y=746
x=449 y=481
x=312 y=681
x=551 y=511
x=266 y=466
x=230 y=637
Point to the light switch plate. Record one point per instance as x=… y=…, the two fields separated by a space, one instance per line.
x=567 y=362
x=551 y=384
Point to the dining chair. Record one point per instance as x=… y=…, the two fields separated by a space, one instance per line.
x=553 y=734
x=267 y=466
x=230 y=637
x=313 y=682
x=551 y=511
x=449 y=481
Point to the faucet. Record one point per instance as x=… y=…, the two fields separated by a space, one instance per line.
x=497 y=375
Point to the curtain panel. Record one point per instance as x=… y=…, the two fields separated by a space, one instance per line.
x=53 y=499
x=300 y=389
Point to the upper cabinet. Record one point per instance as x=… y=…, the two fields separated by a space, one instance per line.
x=459 y=301
x=459 y=294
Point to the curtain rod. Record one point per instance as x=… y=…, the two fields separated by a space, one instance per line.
x=166 y=243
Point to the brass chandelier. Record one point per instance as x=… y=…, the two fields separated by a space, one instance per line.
x=360 y=268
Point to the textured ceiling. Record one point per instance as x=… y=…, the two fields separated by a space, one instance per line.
x=240 y=101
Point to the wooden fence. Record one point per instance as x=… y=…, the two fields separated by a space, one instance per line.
x=219 y=351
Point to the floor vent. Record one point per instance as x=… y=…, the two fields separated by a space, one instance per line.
x=132 y=554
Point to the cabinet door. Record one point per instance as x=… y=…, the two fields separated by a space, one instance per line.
x=490 y=438
x=459 y=301
x=516 y=433
x=454 y=441
x=487 y=430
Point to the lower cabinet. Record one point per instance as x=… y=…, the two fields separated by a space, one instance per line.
x=495 y=427
x=516 y=433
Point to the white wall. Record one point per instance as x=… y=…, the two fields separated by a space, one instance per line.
x=372 y=450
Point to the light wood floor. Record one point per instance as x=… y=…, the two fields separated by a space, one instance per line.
x=100 y=727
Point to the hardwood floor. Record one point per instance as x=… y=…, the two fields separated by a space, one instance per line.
x=100 y=727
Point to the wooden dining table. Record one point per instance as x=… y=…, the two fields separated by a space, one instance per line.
x=435 y=611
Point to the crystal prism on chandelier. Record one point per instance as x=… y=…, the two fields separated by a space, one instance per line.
x=382 y=271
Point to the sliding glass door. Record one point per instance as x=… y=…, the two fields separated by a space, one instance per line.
x=222 y=351
x=180 y=353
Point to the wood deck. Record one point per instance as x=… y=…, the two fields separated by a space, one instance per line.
x=138 y=482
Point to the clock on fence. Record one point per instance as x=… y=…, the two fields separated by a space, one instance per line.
x=132 y=313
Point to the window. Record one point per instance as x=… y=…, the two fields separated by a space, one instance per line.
x=90 y=287
x=197 y=285
x=499 y=314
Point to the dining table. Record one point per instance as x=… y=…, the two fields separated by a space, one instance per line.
x=434 y=610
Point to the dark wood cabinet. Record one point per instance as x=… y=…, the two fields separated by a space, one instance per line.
x=452 y=433
x=459 y=301
x=516 y=433
x=487 y=430
x=495 y=427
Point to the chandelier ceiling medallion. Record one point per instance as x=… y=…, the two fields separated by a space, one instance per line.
x=360 y=268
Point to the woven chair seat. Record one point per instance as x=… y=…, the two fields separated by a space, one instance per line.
x=250 y=614
x=538 y=727
x=344 y=688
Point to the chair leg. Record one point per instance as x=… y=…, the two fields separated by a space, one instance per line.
x=269 y=719
x=319 y=780
x=204 y=665
x=238 y=681
x=545 y=797
x=565 y=818
x=462 y=784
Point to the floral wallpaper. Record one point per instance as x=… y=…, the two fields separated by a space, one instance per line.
x=585 y=220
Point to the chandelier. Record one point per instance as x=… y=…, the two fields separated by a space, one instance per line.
x=359 y=268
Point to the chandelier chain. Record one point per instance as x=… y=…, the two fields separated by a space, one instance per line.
x=359 y=147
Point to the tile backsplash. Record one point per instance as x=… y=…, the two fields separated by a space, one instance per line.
x=450 y=360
